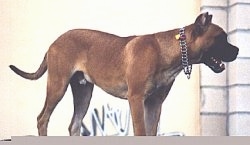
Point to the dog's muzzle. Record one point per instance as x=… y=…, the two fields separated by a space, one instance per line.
x=221 y=51
x=214 y=60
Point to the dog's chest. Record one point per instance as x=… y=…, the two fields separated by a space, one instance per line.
x=165 y=77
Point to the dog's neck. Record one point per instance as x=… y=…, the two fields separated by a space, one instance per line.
x=167 y=48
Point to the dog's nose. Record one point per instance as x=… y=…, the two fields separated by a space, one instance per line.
x=233 y=49
x=231 y=53
x=237 y=50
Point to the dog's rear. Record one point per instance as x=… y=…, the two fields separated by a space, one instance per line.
x=68 y=61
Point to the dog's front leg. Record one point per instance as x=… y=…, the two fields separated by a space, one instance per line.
x=141 y=61
x=152 y=108
x=136 y=97
x=136 y=102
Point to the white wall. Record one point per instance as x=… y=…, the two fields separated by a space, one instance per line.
x=29 y=27
x=228 y=113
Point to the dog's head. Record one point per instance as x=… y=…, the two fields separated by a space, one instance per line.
x=213 y=43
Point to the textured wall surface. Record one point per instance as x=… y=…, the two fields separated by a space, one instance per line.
x=225 y=97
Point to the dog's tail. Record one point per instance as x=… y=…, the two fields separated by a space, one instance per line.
x=32 y=76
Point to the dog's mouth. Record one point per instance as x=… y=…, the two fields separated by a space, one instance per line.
x=215 y=64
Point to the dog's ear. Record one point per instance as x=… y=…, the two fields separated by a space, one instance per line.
x=201 y=23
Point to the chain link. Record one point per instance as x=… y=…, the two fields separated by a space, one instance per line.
x=187 y=68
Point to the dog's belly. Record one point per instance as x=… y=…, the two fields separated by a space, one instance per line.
x=119 y=91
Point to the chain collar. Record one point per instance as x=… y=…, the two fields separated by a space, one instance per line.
x=187 y=68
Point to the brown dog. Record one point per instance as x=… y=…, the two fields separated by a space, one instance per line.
x=141 y=69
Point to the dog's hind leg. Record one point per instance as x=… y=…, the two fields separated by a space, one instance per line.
x=55 y=91
x=82 y=94
x=57 y=83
